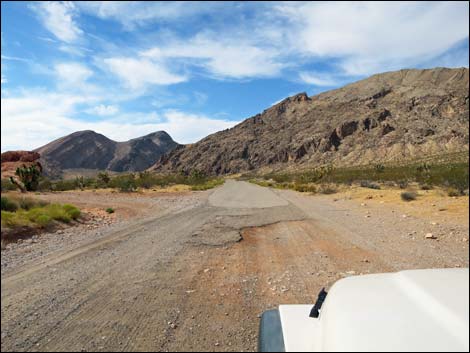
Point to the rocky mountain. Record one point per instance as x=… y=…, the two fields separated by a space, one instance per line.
x=90 y=150
x=387 y=117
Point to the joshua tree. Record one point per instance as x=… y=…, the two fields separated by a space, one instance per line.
x=104 y=178
x=28 y=177
x=80 y=182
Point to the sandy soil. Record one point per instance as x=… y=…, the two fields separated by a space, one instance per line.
x=194 y=271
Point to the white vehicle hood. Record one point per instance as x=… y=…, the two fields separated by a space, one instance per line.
x=419 y=310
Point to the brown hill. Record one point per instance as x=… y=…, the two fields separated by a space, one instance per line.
x=387 y=117
x=90 y=150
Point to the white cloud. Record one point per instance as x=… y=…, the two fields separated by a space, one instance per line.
x=318 y=79
x=47 y=39
x=103 y=110
x=4 y=79
x=72 y=74
x=226 y=58
x=139 y=72
x=36 y=118
x=137 y=13
x=74 y=50
x=357 y=38
x=368 y=37
x=15 y=58
x=58 y=18
x=188 y=128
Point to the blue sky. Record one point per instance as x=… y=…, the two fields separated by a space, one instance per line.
x=126 y=69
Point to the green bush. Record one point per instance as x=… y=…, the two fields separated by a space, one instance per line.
x=58 y=213
x=8 y=204
x=408 y=196
x=15 y=219
x=39 y=217
x=43 y=220
x=72 y=211
x=110 y=210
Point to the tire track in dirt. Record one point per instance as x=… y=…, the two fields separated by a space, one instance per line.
x=282 y=263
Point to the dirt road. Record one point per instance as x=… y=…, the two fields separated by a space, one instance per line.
x=196 y=277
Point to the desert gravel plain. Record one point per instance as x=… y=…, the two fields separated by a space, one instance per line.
x=193 y=271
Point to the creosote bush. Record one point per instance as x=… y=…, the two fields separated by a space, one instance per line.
x=408 y=196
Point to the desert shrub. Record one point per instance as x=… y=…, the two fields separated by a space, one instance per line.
x=453 y=192
x=27 y=203
x=423 y=167
x=197 y=174
x=43 y=220
x=262 y=182
x=281 y=178
x=426 y=187
x=58 y=213
x=64 y=185
x=124 y=183
x=402 y=184
x=8 y=204
x=110 y=210
x=327 y=190
x=207 y=185
x=39 y=217
x=15 y=219
x=103 y=178
x=7 y=185
x=304 y=188
x=285 y=185
x=408 y=196
x=72 y=211
x=146 y=180
x=369 y=184
x=379 y=168
x=45 y=184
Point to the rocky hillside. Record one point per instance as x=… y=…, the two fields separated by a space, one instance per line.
x=387 y=117
x=90 y=150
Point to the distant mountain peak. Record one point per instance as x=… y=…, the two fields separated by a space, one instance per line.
x=88 y=149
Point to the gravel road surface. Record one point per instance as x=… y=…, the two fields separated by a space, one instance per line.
x=195 y=271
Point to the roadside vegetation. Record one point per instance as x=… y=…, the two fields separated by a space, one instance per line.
x=130 y=182
x=453 y=177
x=24 y=215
